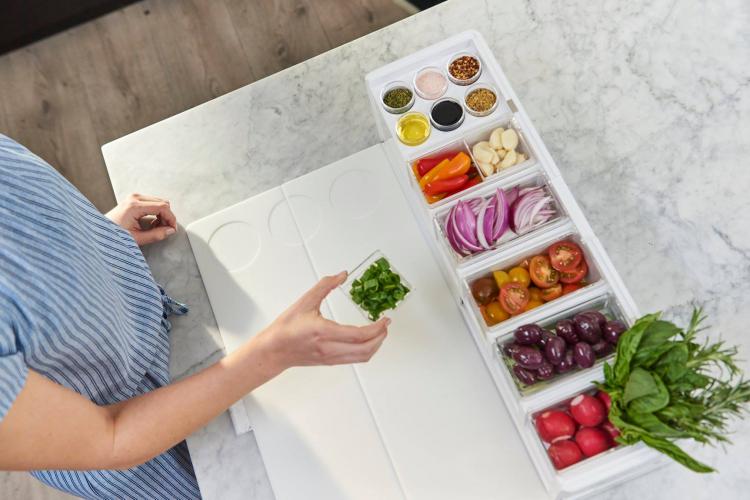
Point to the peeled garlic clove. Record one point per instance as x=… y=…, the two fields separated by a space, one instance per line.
x=509 y=160
x=482 y=152
x=510 y=139
x=495 y=158
x=501 y=153
x=520 y=158
x=496 y=138
x=484 y=144
x=487 y=168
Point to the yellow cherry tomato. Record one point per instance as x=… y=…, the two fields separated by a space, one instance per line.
x=494 y=313
x=532 y=304
x=501 y=278
x=535 y=293
x=519 y=275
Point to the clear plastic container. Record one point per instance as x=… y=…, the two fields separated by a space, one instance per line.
x=464 y=81
x=506 y=261
x=607 y=305
x=356 y=274
x=533 y=178
x=483 y=134
x=478 y=86
x=393 y=86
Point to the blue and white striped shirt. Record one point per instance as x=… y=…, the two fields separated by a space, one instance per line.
x=78 y=305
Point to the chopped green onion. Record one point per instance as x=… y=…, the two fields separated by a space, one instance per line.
x=378 y=289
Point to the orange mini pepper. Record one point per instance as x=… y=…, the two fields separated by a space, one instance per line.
x=429 y=176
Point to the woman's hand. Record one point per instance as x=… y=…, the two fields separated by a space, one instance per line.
x=138 y=211
x=301 y=336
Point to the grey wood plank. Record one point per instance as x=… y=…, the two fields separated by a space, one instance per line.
x=276 y=34
x=344 y=21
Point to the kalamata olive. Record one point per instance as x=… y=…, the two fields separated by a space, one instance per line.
x=587 y=328
x=567 y=363
x=583 y=355
x=510 y=348
x=484 y=290
x=528 y=357
x=545 y=372
x=612 y=331
x=523 y=375
x=566 y=330
x=600 y=319
x=528 y=334
x=554 y=351
x=546 y=335
x=601 y=348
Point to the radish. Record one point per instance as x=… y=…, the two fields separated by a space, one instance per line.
x=554 y=426
x=610 y=429
x=587 y=410
x=592 y=441
x=564 y=454
x=604 y=397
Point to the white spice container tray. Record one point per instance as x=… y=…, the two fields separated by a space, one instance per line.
x=465 y=144
x=404 y=70
x=606 y=287
x=534 y=177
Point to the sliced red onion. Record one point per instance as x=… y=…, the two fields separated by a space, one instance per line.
x=488 y=223
x=530 y=209
x=449 y=233
x=480 y=225
x=512 y=195
x=502 y=215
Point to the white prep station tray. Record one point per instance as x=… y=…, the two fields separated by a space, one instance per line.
x=434 y=415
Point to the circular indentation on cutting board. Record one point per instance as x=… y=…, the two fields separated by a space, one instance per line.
x=284 y=228
x=356 y=193
x=235 y=244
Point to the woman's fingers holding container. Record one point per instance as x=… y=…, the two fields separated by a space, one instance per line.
x=355 y=334
x=356 y=353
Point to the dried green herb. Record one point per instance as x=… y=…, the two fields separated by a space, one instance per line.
x=397 y=98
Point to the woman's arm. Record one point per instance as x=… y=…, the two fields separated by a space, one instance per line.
x=51 y=427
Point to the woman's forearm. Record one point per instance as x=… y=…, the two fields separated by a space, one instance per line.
x=147 y=425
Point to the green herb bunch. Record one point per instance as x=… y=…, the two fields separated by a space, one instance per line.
x=665 y=386
x=378 y=289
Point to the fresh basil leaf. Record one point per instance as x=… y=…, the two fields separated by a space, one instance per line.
x=648 y=356
x=676 y=453
x=628 y=346
x=658 y=332
x=640 y=383
x=651 y=402
x=673 y=364
x=651 y=423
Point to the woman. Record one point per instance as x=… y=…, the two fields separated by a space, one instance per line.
x=85 y=398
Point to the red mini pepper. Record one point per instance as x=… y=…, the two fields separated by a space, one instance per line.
x=446 y=185
x=473 y=181
x=424 y=165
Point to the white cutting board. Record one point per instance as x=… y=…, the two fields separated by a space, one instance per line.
x=424 y=407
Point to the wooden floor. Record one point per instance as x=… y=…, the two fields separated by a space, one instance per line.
x=67 y=95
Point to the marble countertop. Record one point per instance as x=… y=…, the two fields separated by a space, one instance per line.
x=644 y=105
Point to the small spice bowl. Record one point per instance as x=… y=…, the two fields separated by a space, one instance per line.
x=443 y=111
x=460 y=79
x=474 y=92
x=430 y=83
x=413 y=128
x=354 y=277
x=395 y=86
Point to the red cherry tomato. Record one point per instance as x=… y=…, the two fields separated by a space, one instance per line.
x=552 y=292
x=514 y=297
x=576 y=274
x=542 y=273
x=565 y=255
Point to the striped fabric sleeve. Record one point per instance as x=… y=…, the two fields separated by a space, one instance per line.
x=13 y=369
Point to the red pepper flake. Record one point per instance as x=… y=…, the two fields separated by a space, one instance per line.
x=464 y=67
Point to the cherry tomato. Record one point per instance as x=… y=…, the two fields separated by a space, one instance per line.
x=519 y=275
x=570 y=288
x=576 y=274
x=532 y=304
x=565 y=255
x=513 y=298
x=552 y=292
x=484 y=290
x=535 y=293
x=501 y=278
x=494 y=313
x=542 y=273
